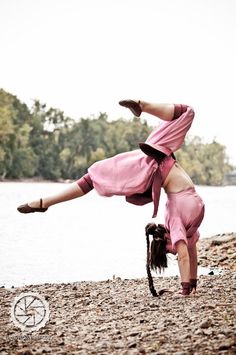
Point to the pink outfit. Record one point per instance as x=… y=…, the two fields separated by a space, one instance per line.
x=132 y=174
x=183 y=215
x=138 y=176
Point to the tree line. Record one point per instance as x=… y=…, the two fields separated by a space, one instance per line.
x=43 y=142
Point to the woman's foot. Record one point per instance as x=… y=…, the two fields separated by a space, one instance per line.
x=185 y=288
x=134 y=106
x=35 y=206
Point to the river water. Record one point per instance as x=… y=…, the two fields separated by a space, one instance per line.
x=91 y=238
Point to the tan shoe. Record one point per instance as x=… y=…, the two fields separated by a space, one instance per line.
x=134 y=106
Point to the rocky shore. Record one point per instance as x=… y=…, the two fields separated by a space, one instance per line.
x=121 y=317
x=218 y=251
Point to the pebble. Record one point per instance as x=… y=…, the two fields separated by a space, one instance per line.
x=198 y=332
x=225 y=346
x=206 y=323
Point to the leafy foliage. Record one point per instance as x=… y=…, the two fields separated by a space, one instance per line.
x=206 y=164
x=42 y=142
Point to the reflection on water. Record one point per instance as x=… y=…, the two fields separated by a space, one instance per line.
x=91 y=238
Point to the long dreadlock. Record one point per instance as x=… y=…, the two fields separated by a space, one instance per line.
x=157 y=257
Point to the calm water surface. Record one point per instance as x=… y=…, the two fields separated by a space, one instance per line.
x=91 y=238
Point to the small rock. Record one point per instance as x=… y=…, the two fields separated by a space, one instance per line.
x=132 y=345
x=133 y=334
x=119 y=345
x=24 y=351
x=225 y=346
x=226 y=331
x=87 y=302
x=61 y=342
x=207 y=332
x=117 y=332
x=43 y=351
x=198 y=332
x=185 y=336
x=205 y=324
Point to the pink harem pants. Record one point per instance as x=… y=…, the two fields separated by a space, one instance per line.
x=169 y=134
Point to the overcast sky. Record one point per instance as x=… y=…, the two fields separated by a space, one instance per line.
x=84 y=56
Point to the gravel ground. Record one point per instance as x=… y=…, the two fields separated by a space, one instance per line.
x=121 y=317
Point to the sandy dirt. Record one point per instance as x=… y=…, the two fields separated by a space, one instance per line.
x=121 y=317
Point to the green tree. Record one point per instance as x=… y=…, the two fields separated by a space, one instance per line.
x=206 y=163
x=44 y=142
x=47 y=126
x=16 y=157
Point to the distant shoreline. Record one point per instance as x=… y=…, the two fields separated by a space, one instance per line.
x=37 y=179
x=67 y=181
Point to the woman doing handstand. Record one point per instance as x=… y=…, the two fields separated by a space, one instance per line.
x=139 y=175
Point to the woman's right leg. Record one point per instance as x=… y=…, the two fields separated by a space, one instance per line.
x=166 y=112
x=163 y=111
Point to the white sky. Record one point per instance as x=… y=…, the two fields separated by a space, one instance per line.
x=83 y=56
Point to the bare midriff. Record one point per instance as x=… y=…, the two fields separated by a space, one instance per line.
x=177 y=180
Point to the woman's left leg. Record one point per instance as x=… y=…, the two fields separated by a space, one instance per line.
x=70 y=192
x=74 y=190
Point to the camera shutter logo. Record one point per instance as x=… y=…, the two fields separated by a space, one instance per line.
x=29 y=311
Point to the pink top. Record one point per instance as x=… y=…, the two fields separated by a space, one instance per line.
x=170 y=248
x=131 y=174
x=183 y=215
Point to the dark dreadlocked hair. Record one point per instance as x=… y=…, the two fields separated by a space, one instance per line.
x=156 y=258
